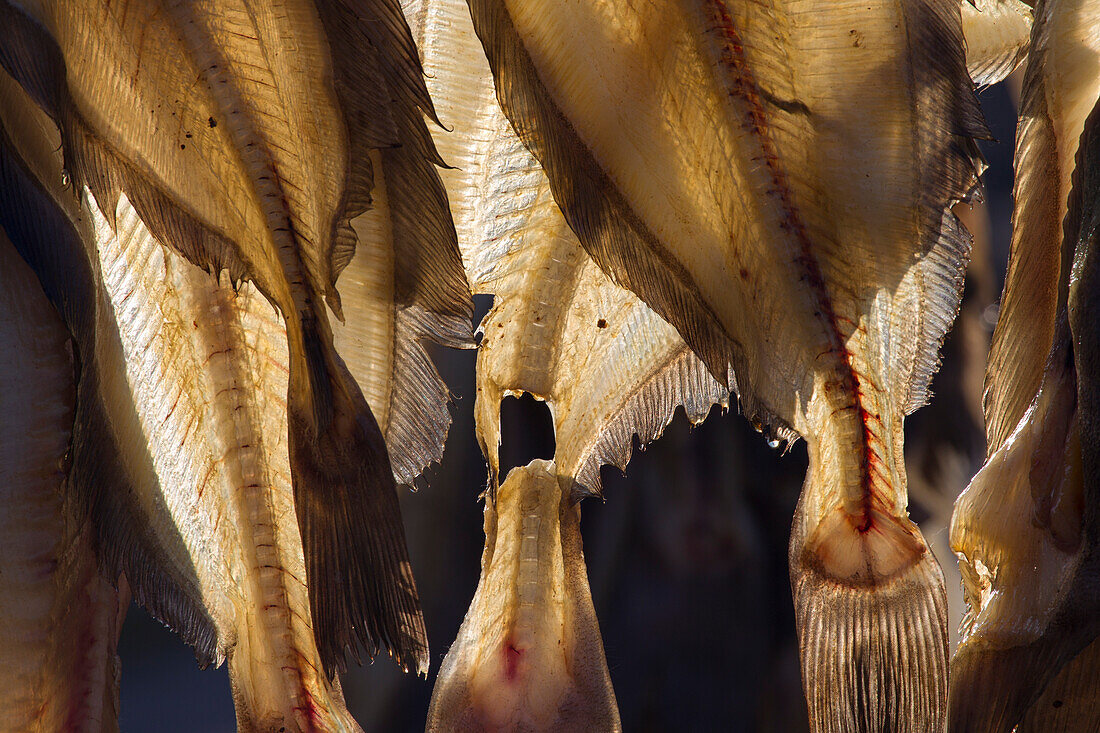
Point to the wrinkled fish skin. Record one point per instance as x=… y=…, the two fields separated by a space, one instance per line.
x=1027 y=529
x=241 y=159
x=59 y=618
x=528 y=656
x=784 y=204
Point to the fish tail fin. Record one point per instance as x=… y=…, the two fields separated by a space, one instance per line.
x=871 y=611
x=361 y=587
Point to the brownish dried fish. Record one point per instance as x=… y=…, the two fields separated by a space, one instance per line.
x=59 y=618
x=240 y=132
x=765 y=178
x=1026 y=528
x=1061 y=84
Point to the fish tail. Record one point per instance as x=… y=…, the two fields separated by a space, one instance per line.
x=871 y=613
x=361 y=587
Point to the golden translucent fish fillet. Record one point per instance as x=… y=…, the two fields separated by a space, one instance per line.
x=528 y=655
x=59 y=618
x=240 y=132
x=763 y=176
x=997 y=34
x=1027 y=530
x=1060 y=86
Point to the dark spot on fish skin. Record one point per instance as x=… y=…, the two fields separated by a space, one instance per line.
x=213 y=122
x=601 y=323
x=187 y=135
x=792 y=106
x=744 y=274
x=183 y=147
x=1057 y=703
x=857 y=38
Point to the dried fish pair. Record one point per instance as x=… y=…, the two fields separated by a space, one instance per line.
x=1025 y=528
x=776 y=182
x=222 y=453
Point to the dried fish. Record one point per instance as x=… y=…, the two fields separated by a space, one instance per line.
x=765 y=180
x=191 y=389
x=240 y=133
x=608 y=367
x=1060 y=86
x=1026 y=529
x=529 y=654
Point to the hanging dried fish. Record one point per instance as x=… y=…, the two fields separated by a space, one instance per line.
x=192 y=390
x=240 y=133
x=1060 y=86
x=1026 y=529
x=207 y=368
x=60 y=617
x=43 y=220
x=764 y=179
x=529 y=652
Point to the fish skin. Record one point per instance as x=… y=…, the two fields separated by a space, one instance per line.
x=1026 y=528
x=247 y=170
x=58 y=670
x=528 y=656
x=675 y=189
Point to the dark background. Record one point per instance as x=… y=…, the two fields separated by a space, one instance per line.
x=687 y=559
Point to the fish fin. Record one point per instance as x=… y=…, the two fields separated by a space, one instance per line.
x=360 y=582
x=950 y=170
x=871 y=613
x=610 y=231
x=997 y=37
x=684 y=381
x=419 y=418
